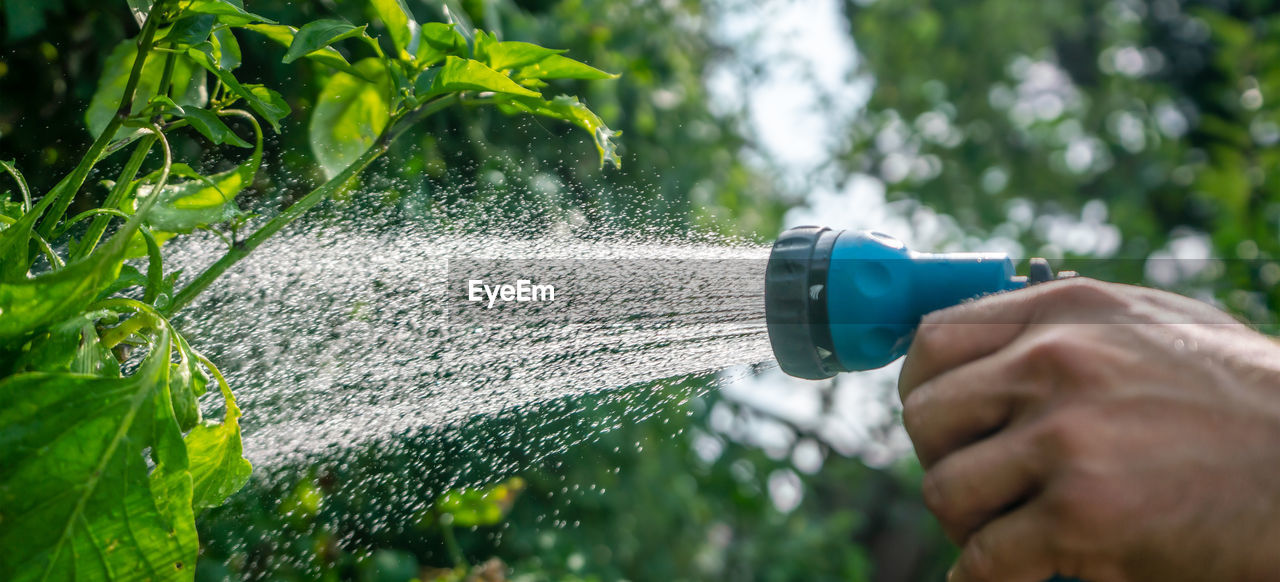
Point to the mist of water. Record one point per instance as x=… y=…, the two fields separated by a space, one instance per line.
x=342 y=338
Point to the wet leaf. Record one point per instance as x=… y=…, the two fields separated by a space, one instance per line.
x=226 y=48
x=467 y=75
x=265 y=102
x=319 y=34
x=283 y=35
x=400 y=24
x=77 y=500
x=569 y=109
x=218 y=466
x=189 y=30
x=188 y=86
x=561 y=67
x=211 y=126
x=510 y=54
x=349 y=116
x=203 y=200
x=439 y=40
x=226 y=12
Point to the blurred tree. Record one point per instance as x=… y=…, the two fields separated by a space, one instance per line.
x=1043 y=122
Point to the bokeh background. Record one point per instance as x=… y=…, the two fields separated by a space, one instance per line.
x=1108 y=135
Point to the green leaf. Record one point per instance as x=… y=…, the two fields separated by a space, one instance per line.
x=76 y=496
x=467 y=75
x=509 y=55
x=561 y=67
x=569 y=109
x=227 y=12
x=27 y=305
x=218 y=466
x=265 y=102
x=15 y=241
x=140 y=9
x=188 y=86
x=187 y=381
x=188 y=30
x=349 y=115
x=400 y=24
x=211 y=126
x=226 y=48
x=185 y=206
x=283 y=35
x=319 y=34
x=21 y=180
x=439 y=40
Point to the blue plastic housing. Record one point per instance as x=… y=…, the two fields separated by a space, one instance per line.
x=878 y=290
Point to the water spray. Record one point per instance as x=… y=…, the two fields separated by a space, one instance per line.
x=844 y=301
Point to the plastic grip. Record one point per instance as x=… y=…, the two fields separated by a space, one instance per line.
x=878 y=290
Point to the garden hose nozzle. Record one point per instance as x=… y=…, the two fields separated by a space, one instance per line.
x=842 y=301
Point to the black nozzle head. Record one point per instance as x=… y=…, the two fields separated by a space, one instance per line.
x=795 y=302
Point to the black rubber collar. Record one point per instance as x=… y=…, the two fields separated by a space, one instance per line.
x=795 y=298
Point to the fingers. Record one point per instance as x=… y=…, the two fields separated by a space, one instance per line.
x=961 y=406
x=1014 y=548
x=968 y=489
x=957 y=335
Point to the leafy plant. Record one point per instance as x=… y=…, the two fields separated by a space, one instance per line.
x=106 y=458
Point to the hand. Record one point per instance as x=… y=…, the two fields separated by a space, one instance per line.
x=1099 y=431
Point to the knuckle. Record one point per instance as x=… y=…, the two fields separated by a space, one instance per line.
x=931 y=337
x=1060 y=349
x=1082 y=292
x=1065 y=435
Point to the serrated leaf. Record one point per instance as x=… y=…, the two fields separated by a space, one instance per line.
x=29 y=304
x=211 y=126
x=400 y=25
x=561 y=67
x=467 y=75
x=569 y=109
x=439 y=40
x=349 y=115
x=227 y=12
x=319 y=34
x=188 y=86
x=283 y=35
x=77 y=499
x=218 y=466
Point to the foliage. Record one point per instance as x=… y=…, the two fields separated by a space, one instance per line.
x=107 y=457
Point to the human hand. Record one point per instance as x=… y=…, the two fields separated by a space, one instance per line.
x=1100 y=431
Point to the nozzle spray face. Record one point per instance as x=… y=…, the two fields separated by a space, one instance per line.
x=839 y=301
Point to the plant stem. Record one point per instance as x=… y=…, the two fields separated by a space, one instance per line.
x=243 y=248
x=395 y=128
x=99 y=224
x=66 y=190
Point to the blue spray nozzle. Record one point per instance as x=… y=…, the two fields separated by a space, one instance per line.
x=839 y=301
